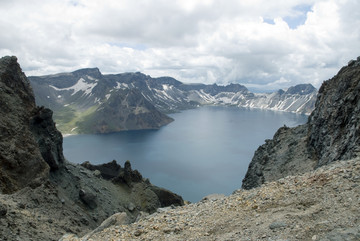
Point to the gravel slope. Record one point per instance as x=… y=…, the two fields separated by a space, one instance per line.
x=320 y=205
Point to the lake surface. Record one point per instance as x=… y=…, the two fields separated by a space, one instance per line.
x=205 y=150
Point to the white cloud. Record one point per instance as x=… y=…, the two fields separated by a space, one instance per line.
x=258 y=43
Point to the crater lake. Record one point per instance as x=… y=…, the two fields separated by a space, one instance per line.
x=205 y=150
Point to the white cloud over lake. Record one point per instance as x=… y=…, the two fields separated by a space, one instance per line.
x=263 y=44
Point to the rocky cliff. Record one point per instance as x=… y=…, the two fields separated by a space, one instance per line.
x=20 y=158
x=331 y=133
x=42 y=196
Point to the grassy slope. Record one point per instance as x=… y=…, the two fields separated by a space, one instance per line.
x=69 y=117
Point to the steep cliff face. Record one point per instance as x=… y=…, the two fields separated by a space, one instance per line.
x=332 y=133
x=20 y=159
x=334 y=125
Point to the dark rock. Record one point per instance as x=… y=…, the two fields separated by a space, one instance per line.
x=108 y=170
x=88 y=198
x=285 y=154
x=128 y=176
x=3 y=210
x=301 y=89
x=166 y=197
x=335 y=123
x=331 y=133
x=48 y=137
x=276 y=225
x=20 y=159
x=212 y=197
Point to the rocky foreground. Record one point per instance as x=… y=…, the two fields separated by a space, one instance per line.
x=318 y=205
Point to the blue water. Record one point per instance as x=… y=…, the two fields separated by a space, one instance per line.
x=205 y=150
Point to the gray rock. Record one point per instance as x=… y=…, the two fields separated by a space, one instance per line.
x=351 y=234
x=115 y=219
x=20 y=159
x=276 y=225
x=3 y=210
x=166 y=197
x=331 y=134
x=88 y=198
x=212 y=197
x=48 y=137
x=131 y=207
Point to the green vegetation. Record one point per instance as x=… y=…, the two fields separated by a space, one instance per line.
x=68 y=118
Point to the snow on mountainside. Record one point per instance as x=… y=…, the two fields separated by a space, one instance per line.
x=84 y=89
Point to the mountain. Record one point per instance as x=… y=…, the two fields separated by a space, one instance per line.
x=85 y=101
x=42 y=196
x=78 y=97
x=301 y=185
x=331 y=133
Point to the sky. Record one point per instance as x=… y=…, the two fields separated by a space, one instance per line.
x=262 y=44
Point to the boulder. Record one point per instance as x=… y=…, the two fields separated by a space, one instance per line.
x=88 y=198
x=166 y=197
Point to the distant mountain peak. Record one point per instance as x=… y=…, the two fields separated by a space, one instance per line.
x=88 y=88
x=301 y=89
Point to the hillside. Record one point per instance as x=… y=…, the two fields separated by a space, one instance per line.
x=331 y=133
x=81 y=97
x=42 y=196
x=319 y=205
x=85 y=101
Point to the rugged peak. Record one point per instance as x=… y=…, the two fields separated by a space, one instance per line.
x=301 y=89
x=12 y=76
x=335 y=123
x=93 y=72
x=331 y=133
x=20 y=159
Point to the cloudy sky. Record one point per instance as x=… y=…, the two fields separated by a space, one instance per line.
x=263 y=44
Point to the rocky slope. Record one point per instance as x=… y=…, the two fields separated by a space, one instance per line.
x=331 y=133
x=319 y=205
x=124 y=110
x=78 y=96
x=42 y=196
x=85 y=101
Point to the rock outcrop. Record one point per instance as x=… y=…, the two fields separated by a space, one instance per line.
x=332 y=133
x=21 y=161
x=115 y=173
x=334 y=125
x=318 y=205
x=42 y=196
x=48 y=137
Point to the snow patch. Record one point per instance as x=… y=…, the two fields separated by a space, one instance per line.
x=81 y=85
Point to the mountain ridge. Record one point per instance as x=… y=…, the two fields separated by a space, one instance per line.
x=86 y=89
